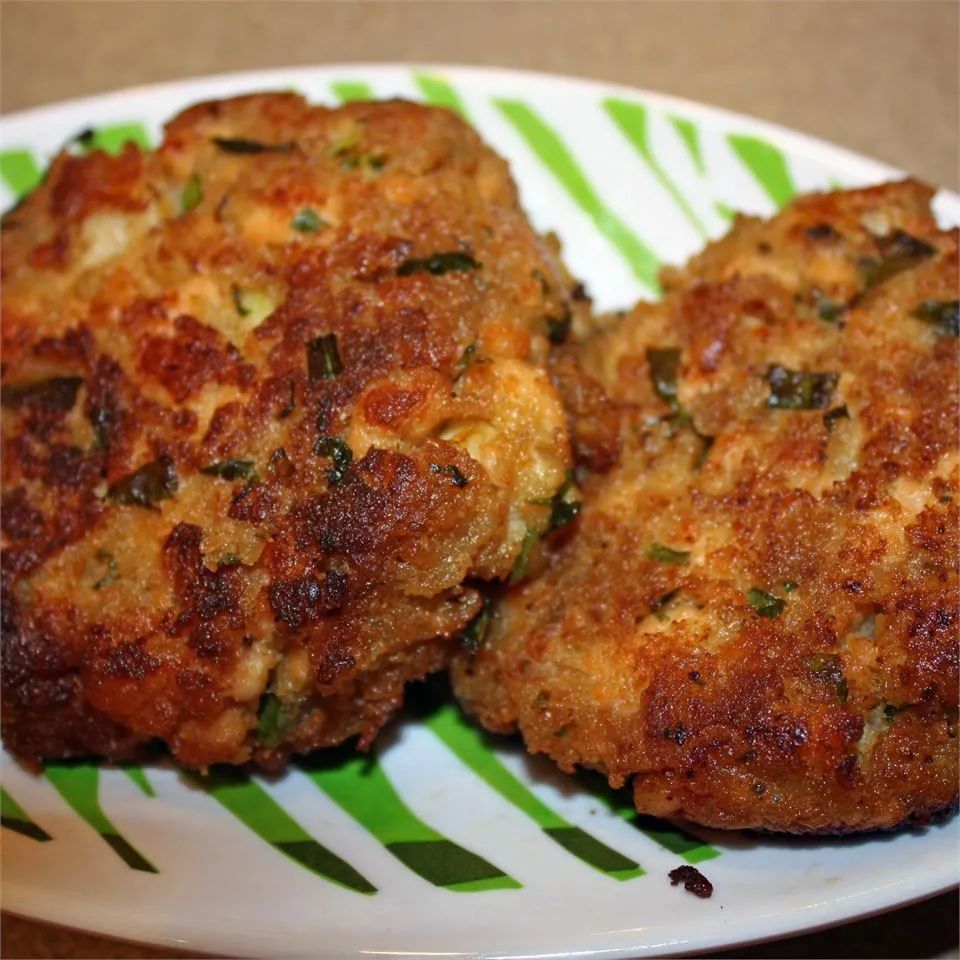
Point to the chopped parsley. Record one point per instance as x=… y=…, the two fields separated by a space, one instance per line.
x=793 y=390
x=308 y=221
x=154 y=481
x=662 y=554
x=229 y=469
x=339 y=453
x=323 y=358
x=453 y=261
x=766 y=604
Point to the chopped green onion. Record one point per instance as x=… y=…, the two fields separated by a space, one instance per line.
x=229 y=469
x=323 y=358
x=944 y=315
x=192 y=194
x=659 y=606
x=341 y=455
x=766 y=604
x=562 y=511
x=240 y=145
x=523 y=558
x=476 y=630
x=467 y=359
x=789 y=586
x=793 y=390
x=308 y=221
x=899 y=251
x=273 y=721
x=229 y=560
x=457 y=477
x=154 y=481
x=829 y=310
x=664 y=554
x=664 y=368
x=439 y=263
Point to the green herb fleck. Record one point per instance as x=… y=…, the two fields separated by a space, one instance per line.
x=341 y=455
x=112 y=573
x=476 y=630
x=457 y=477
x=898 y=252
x=890 y=711
x=154 y=481
x=663 y=554
x=789 y=586
x=323 y=358
x=562 y=511
x=829 y=310
x=792 y=390
x=944 y=315
x=55 y=393
x=229 y=560
x=523 y=558
x=308 y=221
x=659 y=607
x=664 y=367
x=241 y=145
x=229 y=469
x=439 y=263
x=467 y=359
x=766 y=604
x=192 y=194
x=273 y=722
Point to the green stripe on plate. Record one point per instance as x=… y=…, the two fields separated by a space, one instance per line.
x=690 y=135
x=14 y=817
x=439 y=93
x=556 y=156
x=137 y=775
x=725 y=211
x=261 y=814
x=79 y=785
x=668 y=836
x=20 y=171
x=634 y=122
x=468 y=744
x=768 y=166
x=348 y=90
x=361 y=787
x=115 y=136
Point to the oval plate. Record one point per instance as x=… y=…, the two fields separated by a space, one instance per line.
x=447 y=842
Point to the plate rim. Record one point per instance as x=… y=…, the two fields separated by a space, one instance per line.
x=794 y=143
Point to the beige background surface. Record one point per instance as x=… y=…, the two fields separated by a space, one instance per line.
x=877 y=77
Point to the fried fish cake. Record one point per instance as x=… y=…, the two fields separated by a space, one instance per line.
x=274 y=399
x=755 y=619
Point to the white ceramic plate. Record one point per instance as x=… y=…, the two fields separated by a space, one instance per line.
x=447 y=844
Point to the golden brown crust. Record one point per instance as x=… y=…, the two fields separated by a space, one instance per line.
x=828 y=701
x=195 y=341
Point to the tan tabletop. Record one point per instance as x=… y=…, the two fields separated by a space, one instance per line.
x=877 y=77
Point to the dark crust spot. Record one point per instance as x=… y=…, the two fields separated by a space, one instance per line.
x=305 y=599
x=693 y=881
